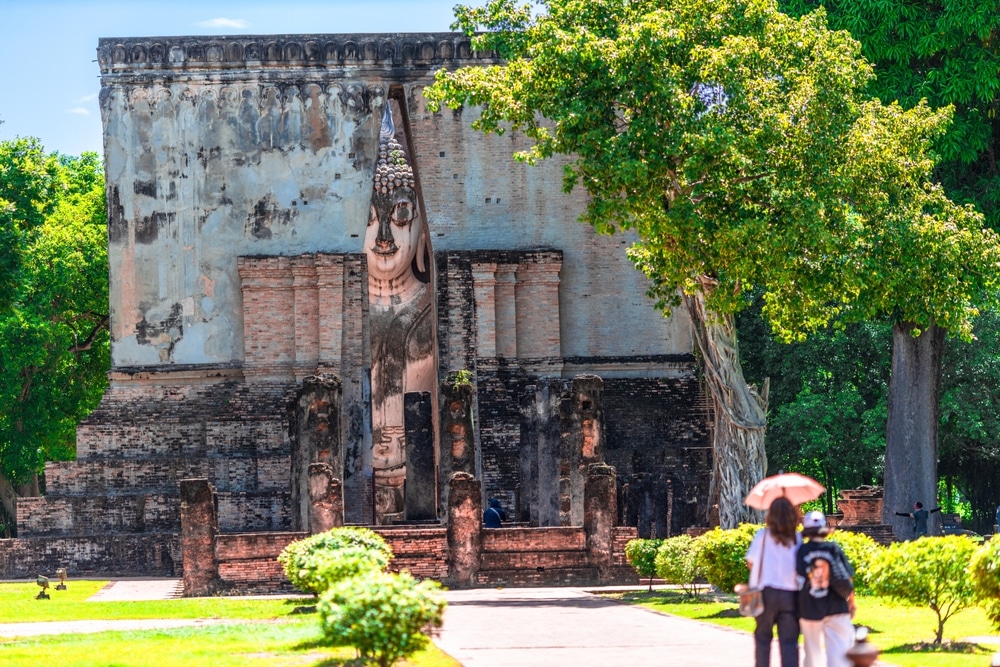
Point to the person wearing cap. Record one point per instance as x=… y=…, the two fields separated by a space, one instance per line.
x=826 y=599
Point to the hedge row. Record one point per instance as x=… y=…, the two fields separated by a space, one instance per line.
x=946 y=574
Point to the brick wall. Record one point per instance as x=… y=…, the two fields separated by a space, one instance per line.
x=147 y=554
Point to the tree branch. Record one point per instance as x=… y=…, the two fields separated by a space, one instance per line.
x=89 y=341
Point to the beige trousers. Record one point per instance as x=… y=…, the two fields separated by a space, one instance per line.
x=836 y=632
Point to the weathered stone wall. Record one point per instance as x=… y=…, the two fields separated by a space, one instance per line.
x=212 y=155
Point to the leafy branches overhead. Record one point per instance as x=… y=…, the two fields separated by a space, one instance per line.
x=53 y=328
x=739 y=143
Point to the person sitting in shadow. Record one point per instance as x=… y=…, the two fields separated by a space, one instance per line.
x=494 y=514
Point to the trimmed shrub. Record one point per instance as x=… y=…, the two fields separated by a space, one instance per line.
x=382 y=615
x=860 y=550
x=985 y=573
x=675 y=563
x=313 y=564
x=641 y=555
x=928 y=572
x=721 y=555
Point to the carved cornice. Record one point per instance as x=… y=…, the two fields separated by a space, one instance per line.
x=418 y=51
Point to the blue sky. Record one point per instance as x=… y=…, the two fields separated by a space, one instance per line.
x=49 y=79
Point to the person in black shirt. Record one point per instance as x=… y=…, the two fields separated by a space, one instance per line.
x=826 y=599
x=919 y=516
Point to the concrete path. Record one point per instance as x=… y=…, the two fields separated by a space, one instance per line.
x=139 y=589
x=568 y=627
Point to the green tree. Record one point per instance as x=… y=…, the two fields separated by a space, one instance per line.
x=738 y=144
x=676 y=563
x=827 y=399
x=28 y=193
x=54 y=347
x=929 y=572
x=641 y=554
x=985 y=572
x=947 y=54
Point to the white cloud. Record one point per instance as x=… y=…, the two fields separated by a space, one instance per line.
x=80 y=111
x=87 y=98
x=238 y=24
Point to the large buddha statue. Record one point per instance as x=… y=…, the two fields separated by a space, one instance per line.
x=400 y=314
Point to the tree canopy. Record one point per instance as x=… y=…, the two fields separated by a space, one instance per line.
x=742 y=147
x=54 y=347
x=740 y=144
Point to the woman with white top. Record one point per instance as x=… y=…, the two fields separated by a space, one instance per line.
x=775 y=547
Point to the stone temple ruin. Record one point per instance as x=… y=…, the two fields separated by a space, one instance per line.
x=329 y=305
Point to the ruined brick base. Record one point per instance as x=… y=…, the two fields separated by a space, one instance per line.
x=147 y=554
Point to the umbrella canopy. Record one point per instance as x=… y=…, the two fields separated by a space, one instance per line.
x=791 y=485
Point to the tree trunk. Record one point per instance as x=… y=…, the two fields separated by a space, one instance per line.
x=911 y=436
x=739 y=412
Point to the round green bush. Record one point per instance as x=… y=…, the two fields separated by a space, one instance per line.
x=382 y=615
x=984 y=569
x=314 y=563
x=721 y=555
x=675 y=562
x=928 y=572
x=641 y=555
x=860 y=550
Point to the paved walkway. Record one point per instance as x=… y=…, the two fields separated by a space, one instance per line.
x=568 y=627
x=488 y=627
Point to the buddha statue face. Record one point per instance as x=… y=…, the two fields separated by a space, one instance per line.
x=393 y=238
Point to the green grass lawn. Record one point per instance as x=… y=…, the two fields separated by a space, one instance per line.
x=276 y=633
x=899 y=631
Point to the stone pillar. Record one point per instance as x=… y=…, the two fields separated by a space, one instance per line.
x=316 y=438
x=585 y=442
x=465 y=529
x=458 y=446
x=199 y=528
x=547 y=425
x=421 y=483
x=326 y=499
x=355 y=362
x=601 y=508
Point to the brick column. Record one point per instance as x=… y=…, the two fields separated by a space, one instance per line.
x=306 y=317
x=506 y=311
x=600 y=510
x=326 y=499
x=537 y=297
x=465 y=529
x=330 y=310
x=268 y=316
x=484 y=285
x=199 y=528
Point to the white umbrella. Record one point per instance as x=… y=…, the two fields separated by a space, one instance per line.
x=791 y=485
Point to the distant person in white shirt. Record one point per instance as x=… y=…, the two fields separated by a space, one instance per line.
x=775 y=547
